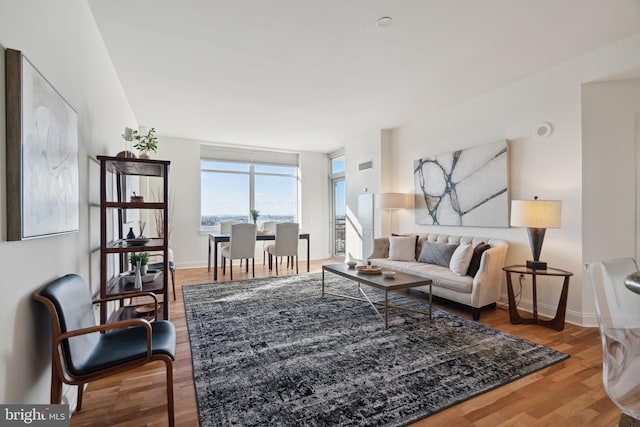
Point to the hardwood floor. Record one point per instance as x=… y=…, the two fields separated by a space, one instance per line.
x=567 y=394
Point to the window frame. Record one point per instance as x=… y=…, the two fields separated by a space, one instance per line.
x=251 y=173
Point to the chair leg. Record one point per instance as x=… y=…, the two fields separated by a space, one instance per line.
x=253 y=267
x=296 y=257
x=224 y=265
x=56 y=387
x=173 y=282
x=231 y=268
x=170 y=408
x=247 y=266
x=277 y=266
x=80 y=392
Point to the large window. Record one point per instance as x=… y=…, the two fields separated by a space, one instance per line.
x=230 y=189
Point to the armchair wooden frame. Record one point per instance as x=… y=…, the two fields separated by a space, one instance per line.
x=60 y=372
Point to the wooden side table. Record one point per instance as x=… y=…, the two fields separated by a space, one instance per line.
x=557 y=322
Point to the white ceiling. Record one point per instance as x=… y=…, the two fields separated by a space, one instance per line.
x=310 y=74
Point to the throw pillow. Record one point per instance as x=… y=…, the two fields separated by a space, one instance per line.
x=415 y=254
x=474 y=264
x=460 y=259
x=437 y=253
x=402 y=248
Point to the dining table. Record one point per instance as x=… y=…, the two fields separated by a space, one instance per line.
x=216 y=238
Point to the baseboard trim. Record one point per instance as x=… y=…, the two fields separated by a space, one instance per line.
x=588 y=320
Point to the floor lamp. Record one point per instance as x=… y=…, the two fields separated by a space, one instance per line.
x=391 y=201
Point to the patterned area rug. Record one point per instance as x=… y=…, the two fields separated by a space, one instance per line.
x=273 y=352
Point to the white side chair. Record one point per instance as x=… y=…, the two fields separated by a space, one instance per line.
x=242 y=245
x=286 y=244
x=614 y=284
x=225 y=228
x=270 y=228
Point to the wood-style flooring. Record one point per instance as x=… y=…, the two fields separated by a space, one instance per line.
x=567 y=394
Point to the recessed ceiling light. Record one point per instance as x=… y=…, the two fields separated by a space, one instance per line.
x=385 y=21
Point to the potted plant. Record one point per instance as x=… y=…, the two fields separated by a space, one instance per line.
x=145 y=143
x=254 y=215
x=143 y=257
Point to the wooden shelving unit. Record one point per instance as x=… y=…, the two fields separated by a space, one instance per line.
x=114 y=169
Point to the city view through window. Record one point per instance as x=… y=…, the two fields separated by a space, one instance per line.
x=227 y=189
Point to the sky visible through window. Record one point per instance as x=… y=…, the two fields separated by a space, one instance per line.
x=226 y=194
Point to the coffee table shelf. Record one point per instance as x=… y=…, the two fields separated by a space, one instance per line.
x=398 y=282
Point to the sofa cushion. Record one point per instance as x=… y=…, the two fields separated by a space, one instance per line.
x=402 y=248
x=474 y=264
x=461 y=258
x=437 y=253
x=416 y=254
x=442 y=276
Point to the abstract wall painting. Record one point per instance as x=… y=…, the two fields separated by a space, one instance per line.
x=42 y=154
x=467 y=187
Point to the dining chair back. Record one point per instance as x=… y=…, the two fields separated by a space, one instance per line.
x=83 y=352
x=268 y=227
x=225 y=226
x=618 y=311
x=242 y=245
x=286 y=242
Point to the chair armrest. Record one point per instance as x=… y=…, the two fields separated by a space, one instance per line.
x=106 y=327
x=128 y=295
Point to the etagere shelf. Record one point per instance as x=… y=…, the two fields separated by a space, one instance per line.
x=113 y=283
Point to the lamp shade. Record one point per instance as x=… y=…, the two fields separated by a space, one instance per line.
x=536 y=213
x=392 y=200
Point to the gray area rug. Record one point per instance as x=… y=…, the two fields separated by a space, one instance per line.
x=273 y=352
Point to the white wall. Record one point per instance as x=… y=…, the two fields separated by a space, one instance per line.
x=550 y=168
x=190 y=244
x=61 y=39
x=363 y=148
x=611 y=128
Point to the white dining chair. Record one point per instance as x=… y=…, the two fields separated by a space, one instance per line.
x=268 y=227
x=242 y=245
x=225 y=228
x=286 y=243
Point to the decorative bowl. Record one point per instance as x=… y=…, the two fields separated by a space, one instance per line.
x=130 y=276
x=369 y=269
x=388 y=274
x=352 y=264
x=138 y=241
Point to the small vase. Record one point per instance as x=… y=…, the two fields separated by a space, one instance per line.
x=137 y=284
x=131 y=234
x=144 y=269
x=144 y=155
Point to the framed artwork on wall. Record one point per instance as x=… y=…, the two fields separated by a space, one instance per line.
x=42 y=154
x=467 y=187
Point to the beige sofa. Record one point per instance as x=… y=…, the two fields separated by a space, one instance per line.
x=478 y=292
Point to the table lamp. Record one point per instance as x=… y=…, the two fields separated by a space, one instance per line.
x=537 y=216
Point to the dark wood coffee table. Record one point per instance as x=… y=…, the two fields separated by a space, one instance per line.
x=378 y=281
